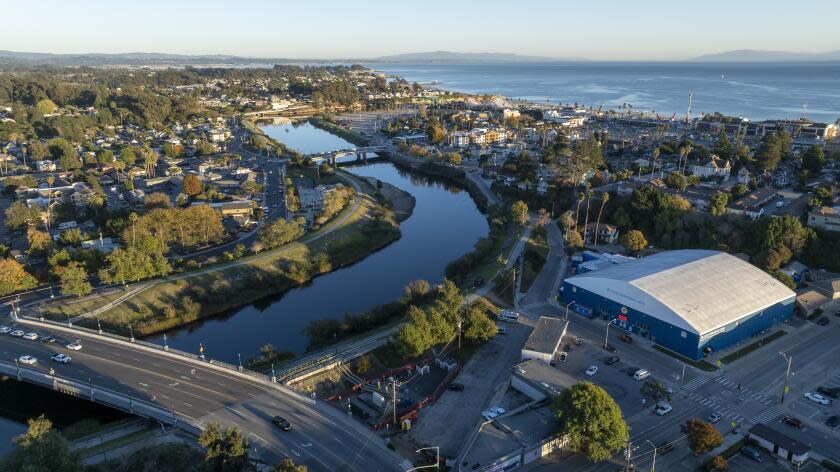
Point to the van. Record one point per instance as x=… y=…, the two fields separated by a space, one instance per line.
x=641 y=374
x=509 y=316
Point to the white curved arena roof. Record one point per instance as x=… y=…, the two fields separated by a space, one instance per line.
x=696 y=290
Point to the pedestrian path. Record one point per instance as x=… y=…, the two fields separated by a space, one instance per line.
x=767 y=415
x=695 y=383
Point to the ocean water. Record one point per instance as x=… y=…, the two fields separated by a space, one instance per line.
x=754 y=91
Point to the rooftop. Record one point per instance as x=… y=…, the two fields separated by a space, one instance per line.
x=696 y=290
x=779 y=439
x=547 y=335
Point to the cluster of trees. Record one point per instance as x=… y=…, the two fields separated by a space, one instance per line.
x=591 y=419
x=188 y=228
x=438 y=322
x=334 y=201
x=281 y=232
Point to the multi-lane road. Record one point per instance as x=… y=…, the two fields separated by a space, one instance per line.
x=322 y=437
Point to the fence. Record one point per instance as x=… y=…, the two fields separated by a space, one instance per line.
x=102 y=395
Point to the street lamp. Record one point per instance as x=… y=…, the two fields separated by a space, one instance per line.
x=606 y=336
x=789 y=359
x=653 y=465
x=436 y=465
x=567 y=309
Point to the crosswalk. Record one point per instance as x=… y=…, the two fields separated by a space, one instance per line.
x=726 y=413
x=746 y=393
x=766 y=416
x=695 y=383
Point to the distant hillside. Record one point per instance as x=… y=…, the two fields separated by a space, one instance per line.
x=752 y=55
x=448 y=57
x=29 y=59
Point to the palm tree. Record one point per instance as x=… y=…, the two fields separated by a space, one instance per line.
x=605 y=197
x=586 y=218
x=151 y=162
x=655 y=157
x=132 y=218
x=119 y=166
x=96 y=202
x=577 y=210
x=687 y=153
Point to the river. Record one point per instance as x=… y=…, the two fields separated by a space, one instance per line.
x=445 y=224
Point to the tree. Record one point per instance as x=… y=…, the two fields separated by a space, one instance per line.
x=676 y=181
x=74 y=280
x=573 y=239
x=20 y=215
x=128 y=155
x=41 y=449
x=71 y=237
x=106 y=156
x=702 y=437
x=656 y=391
x=288 y=465
x=13 y=277
x=723 y=148
x=416 y=289
x=519 y=212
x=40 y=242
x=226 y=451
x=46 y=106
x=814 y=159
x=769 y=153
x=717 y=204
x=543 y=218
x=192 y=185
x=280 y=232
x=157 y=200
x=633 y=240
x=65 y=154
x=605 y=197
x=719 y=464
x=591 y=419
x=479 y=326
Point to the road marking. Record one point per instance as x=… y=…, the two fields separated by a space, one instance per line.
x=145 y=385
x=185 y=377
x=188 y=404
x=175 y=384
x=295 y=453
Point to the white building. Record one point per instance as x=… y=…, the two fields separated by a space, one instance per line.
x=544 y=341
x=714 y=167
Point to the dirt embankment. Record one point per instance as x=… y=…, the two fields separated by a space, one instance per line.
x=401 y=202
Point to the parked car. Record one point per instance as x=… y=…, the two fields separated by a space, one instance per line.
x=663 y=409
x=751 y=453
x=625 y=338
x=578 y=340
x=817 y=398
x=498 y=410
x=611 y=360
x=281 y=423
x=30 y=336
x=795 y=422
x=715 y=417
x=62 y=358
x=5 y=330
x=641 y=374
x=17 y=333
x=833 y=421
x=456 y=387
x=76 y=346
x=592 y=370
x=563 y=356
x=830 y=392
x=823 y=321
x=28 y=360
x=48 y=339
x=489 y=415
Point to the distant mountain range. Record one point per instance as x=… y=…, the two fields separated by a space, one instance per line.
x=753 y=55
x=14 y=58
x=449 y=57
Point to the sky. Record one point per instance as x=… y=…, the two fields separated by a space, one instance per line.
x=593 y=29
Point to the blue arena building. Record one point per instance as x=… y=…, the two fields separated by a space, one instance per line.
x=691 y=302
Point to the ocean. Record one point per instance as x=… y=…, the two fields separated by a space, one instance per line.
x=754 y=91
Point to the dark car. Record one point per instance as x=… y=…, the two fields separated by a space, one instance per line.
x=611 y=360
x=281 y=423
x=833 y=421
x=625 y=338
x=48 y=339
x=823 y=321
x=795 y=422
x=751 y=453
x=456 y=387
x=831 y=392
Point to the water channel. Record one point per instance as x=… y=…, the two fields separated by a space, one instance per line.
x=445 y=224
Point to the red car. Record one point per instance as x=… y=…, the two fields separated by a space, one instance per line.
x=625 y=337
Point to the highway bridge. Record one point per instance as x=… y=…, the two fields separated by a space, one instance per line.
x=185 y=391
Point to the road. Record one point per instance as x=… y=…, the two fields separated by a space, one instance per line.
x=322 y=437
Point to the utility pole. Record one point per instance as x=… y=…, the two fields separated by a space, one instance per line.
x=459 y=334
x=789 y=359
x=627 y=458
x=653 y=465
x=607 y=334
x=394 y=400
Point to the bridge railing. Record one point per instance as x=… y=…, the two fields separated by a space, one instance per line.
x=82 y=329
x=112 y=398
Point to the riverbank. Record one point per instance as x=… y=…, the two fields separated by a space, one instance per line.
x=452 y=175
x=400 y=202
x=337 y=130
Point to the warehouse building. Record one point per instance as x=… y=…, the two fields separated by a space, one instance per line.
x=691 y=302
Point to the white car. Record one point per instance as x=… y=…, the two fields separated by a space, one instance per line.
x=62 y=358
x=489 y=414
x=30 y=336
x=76 y=346
x=816 y=397
x=592 y=370
x=29 y=360
x=663 y=409
x=5 y=330
x=17 y=333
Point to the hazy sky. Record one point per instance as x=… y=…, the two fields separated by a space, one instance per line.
x=595 y=29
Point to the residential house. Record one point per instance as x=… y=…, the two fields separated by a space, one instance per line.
x=45 y=166
x=743 y=176
x=784 y=174
x=752 y=204
x=825 y=218
x=714 y=167
x=460 y=138
x=607 y=234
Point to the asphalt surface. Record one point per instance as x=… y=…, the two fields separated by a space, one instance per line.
x=322 y=438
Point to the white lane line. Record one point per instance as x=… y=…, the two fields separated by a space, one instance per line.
x=145 y=385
